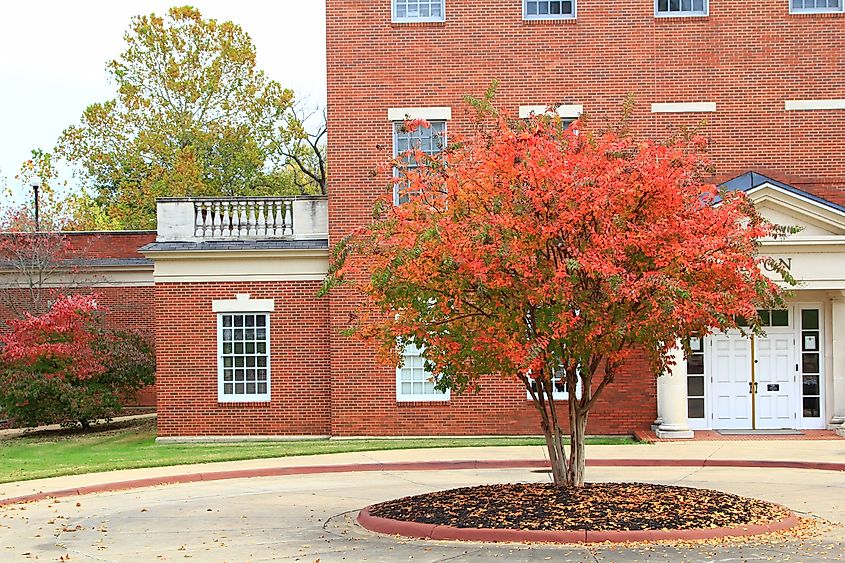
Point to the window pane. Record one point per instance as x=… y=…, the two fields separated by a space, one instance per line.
x=810 y=319
x=811 y=407
x=765 y=317
x=695 y=408
x=695 y=386
x=780 y=317
x=695 y=364
x=810 y=362
x=811 y=384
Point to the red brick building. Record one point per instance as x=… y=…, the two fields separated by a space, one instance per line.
x=105 y=263
x=245 y=348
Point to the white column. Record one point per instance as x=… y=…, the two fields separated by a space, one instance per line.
x=838 y=356
x=672 y=399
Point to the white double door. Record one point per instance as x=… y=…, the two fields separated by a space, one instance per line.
x=768 y=398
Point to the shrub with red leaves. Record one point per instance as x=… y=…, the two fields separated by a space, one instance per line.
x=65 y=367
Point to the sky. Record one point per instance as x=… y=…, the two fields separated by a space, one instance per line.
x=53 y=56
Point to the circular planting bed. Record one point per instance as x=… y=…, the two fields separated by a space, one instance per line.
x=595 y=513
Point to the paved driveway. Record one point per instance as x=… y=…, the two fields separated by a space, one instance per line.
x=311 y=517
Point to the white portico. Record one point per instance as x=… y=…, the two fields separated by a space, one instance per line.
x=793 y=377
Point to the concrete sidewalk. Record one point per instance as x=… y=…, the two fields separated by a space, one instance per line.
x=830 y=451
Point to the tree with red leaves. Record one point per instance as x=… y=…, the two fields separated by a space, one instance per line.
x=549 y=254
x=64 y=367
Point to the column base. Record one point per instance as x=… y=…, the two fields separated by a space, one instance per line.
x=837 y=421
x=658 y=422
x=674 y=432
x=840 y=430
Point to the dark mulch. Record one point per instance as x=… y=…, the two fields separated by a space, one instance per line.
x=596 y=506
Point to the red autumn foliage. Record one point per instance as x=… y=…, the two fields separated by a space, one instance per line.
x=549 y=254
x=62 y=338
x=64 y=366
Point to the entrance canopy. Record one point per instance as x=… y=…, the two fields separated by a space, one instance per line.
x=816 y=255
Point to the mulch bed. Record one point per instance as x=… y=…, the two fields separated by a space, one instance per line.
x=596 y=506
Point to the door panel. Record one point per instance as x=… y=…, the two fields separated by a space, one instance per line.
x=775 y=376
x=730 y=361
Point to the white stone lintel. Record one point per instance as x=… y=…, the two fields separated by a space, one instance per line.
x=243 y=304
x=798 y=105
x=429 y=114
x=567 y=111
x=684 y=107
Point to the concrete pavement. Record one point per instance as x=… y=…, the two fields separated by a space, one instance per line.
x=310 y=517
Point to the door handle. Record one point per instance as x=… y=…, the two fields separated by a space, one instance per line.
x=750 y=387
x=755 y=387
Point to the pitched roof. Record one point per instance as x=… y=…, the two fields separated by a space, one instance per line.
x=751 y=180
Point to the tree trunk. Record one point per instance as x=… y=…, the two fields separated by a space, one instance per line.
x=577 y=456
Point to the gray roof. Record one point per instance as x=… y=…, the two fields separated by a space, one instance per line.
x=208 y=245
x=751 y=180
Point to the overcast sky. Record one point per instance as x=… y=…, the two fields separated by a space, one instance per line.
x=53 y=55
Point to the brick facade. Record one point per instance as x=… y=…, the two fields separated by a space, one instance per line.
x=746 y=59
x=187 y=366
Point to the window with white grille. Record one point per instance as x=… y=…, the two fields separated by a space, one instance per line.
x=681 y=8
x=413 y=381
x=559 y=386
x=815 y=6
x=419 y=10
x=548 y=9
x=429 y=140
x=243 y=341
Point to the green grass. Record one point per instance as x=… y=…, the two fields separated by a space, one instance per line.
x=128 y=446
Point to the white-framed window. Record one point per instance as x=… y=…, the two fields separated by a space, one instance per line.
x=548 y=9
x=429 y=140
x=681 y=8
x=559 y=383
x=243 y=352
x=419 y=10
x=413 y=381
x=815 y=6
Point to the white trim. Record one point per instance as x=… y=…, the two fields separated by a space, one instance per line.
x=442 y=113
x=801 y=105
x=430 y=19
x=565 y=111
x=242 y=398
x=834 y=10
x=689 y=14
x=401 y=397
x=553 y=17
x=243 y=304
x=683 y=107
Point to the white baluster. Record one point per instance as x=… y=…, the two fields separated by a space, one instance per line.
x=198 y=231
x=260 y=221
x=288 y=217
x=243 y=220
x=226 y=221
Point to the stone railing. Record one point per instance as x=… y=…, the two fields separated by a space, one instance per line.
x=238 y=218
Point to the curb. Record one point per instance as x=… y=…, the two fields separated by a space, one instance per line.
x=408 y=466
x=438 y=532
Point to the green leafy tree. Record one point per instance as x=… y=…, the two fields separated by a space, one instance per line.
x=192 y=116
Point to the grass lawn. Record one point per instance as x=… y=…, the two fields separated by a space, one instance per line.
x=126 y=446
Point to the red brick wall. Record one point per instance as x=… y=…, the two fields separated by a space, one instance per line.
x=186 y=335
x=109 y=244
x=747 y=58
x=364 y=404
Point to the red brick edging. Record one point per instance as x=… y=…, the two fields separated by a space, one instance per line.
x=409 y=466
x=437 y=532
